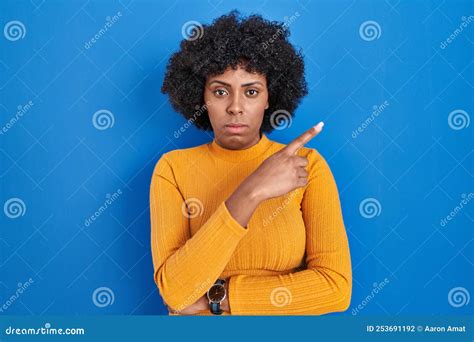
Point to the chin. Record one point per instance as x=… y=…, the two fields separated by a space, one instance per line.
x=234 y=141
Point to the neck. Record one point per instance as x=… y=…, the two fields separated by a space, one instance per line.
x=242 y=153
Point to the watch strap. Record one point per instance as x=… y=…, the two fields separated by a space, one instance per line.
x=216 y=308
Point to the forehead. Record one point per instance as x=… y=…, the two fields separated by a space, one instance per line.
x=237 y=76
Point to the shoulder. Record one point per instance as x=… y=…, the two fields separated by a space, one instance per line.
x=178 y=157
x=186 y=153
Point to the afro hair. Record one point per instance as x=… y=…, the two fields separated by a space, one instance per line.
x=252 y=42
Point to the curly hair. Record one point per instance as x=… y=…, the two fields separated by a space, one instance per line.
x=252 y=42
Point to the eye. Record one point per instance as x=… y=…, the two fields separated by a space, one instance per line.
x=220 y=92
x=252 y=92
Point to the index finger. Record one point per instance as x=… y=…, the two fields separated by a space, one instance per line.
x=299 y=142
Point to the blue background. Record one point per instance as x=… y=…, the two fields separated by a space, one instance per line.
x=409 y=158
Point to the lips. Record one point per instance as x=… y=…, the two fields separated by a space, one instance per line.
x=235 y=128
x=235 y=125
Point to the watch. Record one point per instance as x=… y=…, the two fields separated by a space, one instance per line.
x=216 y=294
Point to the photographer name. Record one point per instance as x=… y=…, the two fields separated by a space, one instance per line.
x=449 y=328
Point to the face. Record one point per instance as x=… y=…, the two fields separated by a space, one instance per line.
x=236 y=101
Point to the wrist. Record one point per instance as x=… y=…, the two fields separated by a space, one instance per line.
x=225 y=303
x=251 y=192
x=217 y=295
x=243 y=202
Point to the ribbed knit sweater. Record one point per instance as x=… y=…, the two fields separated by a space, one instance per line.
x=292 y=258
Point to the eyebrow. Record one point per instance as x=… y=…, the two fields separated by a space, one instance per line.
x=242 y=85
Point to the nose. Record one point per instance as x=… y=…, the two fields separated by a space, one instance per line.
x=235 y=106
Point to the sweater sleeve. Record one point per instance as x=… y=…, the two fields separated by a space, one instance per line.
x=186 y=267
x=325 y=284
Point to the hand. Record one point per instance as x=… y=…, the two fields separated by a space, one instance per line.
x=202 y=304
x=279 y=174
x=283 y=171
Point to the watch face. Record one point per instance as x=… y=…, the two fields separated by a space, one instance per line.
x=216 y=293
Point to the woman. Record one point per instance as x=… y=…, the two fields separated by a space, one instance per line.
x=244 y=225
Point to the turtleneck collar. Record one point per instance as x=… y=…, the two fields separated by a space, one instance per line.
x=240 y=155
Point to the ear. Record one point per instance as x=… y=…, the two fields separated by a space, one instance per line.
x=268 y=105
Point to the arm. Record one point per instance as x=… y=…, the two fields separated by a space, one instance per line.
x=326 y=285
x=180 y=260
x=277 y=175
x=184 y=266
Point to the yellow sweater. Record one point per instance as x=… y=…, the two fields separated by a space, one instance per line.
x=292 y=259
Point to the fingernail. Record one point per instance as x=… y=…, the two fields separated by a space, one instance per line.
x=319 y=125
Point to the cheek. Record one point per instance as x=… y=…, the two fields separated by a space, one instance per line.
x=258 y=106
x=210 y=105
x=207 y=98
x=256 y=113
x=215 y=110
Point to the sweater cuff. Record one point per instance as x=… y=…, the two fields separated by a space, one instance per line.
x=229 y=220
